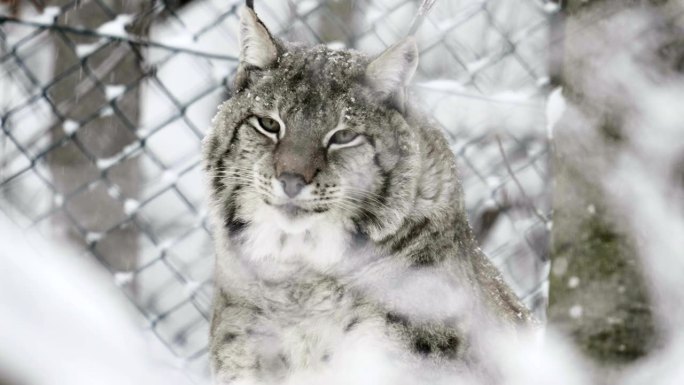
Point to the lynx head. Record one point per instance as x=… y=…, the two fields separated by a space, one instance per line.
x=313 y=133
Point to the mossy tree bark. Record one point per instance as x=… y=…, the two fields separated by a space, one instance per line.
x=598 y=293
x=78 y=95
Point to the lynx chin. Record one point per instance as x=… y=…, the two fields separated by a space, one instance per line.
x=339 y=225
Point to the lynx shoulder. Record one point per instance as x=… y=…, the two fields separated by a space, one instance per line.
x=338 y=218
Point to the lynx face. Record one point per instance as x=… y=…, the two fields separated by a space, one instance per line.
x=312 y=134
x=308 y=147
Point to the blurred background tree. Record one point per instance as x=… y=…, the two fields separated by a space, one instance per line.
x=110 y=74
x=598 y=294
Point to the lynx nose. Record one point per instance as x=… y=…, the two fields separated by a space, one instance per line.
x=292 y=183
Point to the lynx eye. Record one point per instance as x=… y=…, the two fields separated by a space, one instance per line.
x=270 y=125
x=342 y=137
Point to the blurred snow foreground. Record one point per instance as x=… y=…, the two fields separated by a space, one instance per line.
x=63 y=321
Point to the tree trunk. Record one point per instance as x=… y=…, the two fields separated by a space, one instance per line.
x=94 y=214
x=598 y=293
x=341 y=22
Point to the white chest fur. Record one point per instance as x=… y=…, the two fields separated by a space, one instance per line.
x=312 y=325
x=276 y=245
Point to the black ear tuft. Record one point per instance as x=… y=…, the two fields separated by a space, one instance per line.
x=257 y=46
x=249 y=4
x=258 y=49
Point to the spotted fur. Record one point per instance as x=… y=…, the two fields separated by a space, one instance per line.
x=367 y=248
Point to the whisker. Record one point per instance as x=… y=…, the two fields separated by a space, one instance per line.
x=365 y=198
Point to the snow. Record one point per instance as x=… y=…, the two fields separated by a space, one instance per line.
x=468 y=113
x=479 y=64
x=461 y=15
x=106 y=111
x=163 y=246
x=169 y=177
x=92 y=237
x=47 y=16
x=493 y=182
x=576 y=311
x=131 y=206
x=220 y=72
x=306 y=6
x=443 y=85
x=555 y=107
x=591 y=209
x=543 y=81
x=512 y=96
x=116 y=27
x=191 y=287
x=123 y=278
x=114 y=192
x=489 y=203
x=573 y=282
x=551 y=7
x=105 y=163
x=85 y=49
x=70 y=127
x=560 y=266
x=181 y=40
x=336 y=45
x=113 y=91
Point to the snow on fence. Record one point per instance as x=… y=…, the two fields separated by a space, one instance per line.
x=104 y=104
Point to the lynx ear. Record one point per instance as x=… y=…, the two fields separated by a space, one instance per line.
x=257 y=47
x=394 y=68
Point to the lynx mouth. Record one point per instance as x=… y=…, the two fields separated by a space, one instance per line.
x=292 y=210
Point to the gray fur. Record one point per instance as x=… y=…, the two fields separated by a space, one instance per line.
x=381 y=218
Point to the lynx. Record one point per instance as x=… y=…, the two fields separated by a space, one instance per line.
x=339 y=223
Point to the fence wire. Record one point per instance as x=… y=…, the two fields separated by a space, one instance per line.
x=104 y=105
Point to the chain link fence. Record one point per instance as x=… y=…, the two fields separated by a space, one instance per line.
x=104 y=104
